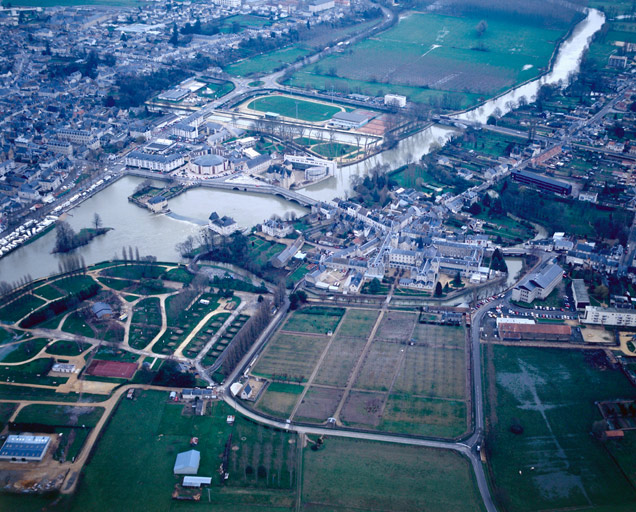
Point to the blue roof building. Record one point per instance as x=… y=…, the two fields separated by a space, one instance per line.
x=24 y=448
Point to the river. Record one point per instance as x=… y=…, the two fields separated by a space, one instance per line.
x=158 y=234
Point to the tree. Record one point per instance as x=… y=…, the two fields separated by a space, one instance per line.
x=481 y=27
x=438 y=289
x=174 y=39
x=475 y=209
x=97 y=221
x=375 y=286
x=497 y=262
x=65 y=237
x=457 y=280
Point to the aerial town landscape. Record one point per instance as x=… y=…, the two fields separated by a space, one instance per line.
x=318 y=255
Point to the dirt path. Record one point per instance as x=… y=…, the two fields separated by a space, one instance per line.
x=217 y=335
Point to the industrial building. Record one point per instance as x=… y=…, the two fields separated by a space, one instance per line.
x=18 y=448
x=613 y=317
x=187 y=463
x=538 y=285
x=534 y=332
x=542 y=182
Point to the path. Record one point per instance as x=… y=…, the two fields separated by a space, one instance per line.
x=219 y=309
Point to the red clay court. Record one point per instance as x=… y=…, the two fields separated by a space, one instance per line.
x=111 y=369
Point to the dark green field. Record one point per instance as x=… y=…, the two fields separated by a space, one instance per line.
x=555 y=464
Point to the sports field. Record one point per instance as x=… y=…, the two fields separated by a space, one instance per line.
x=404 y=376
x=286 y=106
x=555 y=463
x=428 y=52
x=351 y=475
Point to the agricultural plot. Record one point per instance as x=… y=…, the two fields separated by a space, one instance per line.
x=348 y=475
x=434 y=52
x=397 y=326
x=279 y=399
x=363 y=409
x=319 y=404
x=286 y=106
x=552 y=462
x=314 y=320
x=380 y=365
x=225 y=339
x=291 y=356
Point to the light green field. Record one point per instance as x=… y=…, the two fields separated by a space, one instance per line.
x=314 y=320
x=438 y=53
x=348 y=475
x=286 y=106
x=268 y=62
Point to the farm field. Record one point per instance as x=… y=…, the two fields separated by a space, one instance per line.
x=314 y=320
x=411 y=378
x=348 y=475
x=551 y=394
x=430 y=53
x=286 y=106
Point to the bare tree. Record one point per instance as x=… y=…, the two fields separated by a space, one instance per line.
x=97 y=221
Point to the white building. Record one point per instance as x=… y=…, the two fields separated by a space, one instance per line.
x=162 y=163
x=348 y=120
x=277 y=228
x=614 y=317
x=25 y=448
x=395 y=99
x=538 y=285
x=222 y=225
x=320 y=5
x=209 y=165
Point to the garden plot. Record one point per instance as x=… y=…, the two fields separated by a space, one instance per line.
x=396 y=326
x=434 y=372
x=363 y=409
x=319 y=404
x=380 y=365
x=291 y=357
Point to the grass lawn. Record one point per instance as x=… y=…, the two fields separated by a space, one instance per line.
x=267 y=62
x=60 y=415
x=551 y=394
x=333 y=150
x=213 y=90
x=22 y=351
x=31 y=373
x=159 y=431
x=29 y=393
x=286 y=106
x=67 y=348
x=6 y=411
x=352 y=475
x=135 y=271
x=179 y=274
x=19 y=308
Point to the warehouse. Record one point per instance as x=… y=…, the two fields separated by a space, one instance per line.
x=534 y=332
x=25 y=448
x=187 y=463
